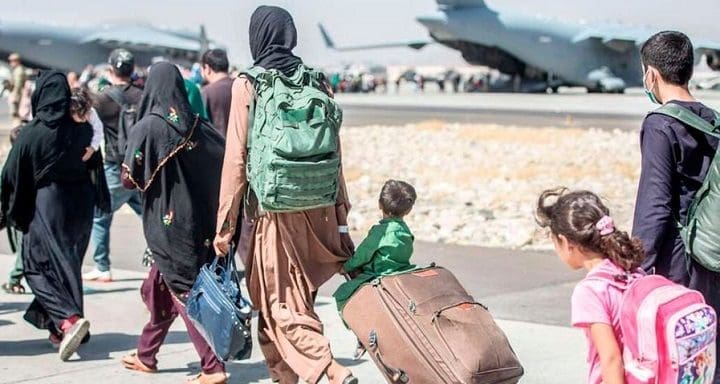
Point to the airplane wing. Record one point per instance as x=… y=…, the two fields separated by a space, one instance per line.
x=707 y=47
x=461 y=3
x=711 y=52
x=329 y=43
x=623 y=39
x=141 y=38
x=615 y=39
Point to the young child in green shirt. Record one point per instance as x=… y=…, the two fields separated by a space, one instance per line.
x=389 y=244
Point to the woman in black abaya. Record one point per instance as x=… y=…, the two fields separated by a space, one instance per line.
x=175 y=159
x=48 y=193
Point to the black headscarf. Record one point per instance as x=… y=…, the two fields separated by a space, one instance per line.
x=49 y=148
x=51 y=99
x=272 y=39
x=164 y=102
x=164 y=92
x=46 y=136
x=175 y=158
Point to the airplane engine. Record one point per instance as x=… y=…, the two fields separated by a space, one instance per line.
x=713 y=60
x=603 y=80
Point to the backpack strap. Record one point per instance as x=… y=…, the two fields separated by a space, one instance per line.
x=117 y=95
x=620 y=281
x=611 y=279
x=689 y=118
x=253 y=72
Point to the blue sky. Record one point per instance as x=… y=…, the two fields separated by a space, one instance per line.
x=355 y=21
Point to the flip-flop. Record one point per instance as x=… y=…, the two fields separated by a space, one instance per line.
x=132 y=362
x=349 y=378
x=13 y=289
x=215 y=378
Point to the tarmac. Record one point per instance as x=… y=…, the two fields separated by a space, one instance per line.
x=570 y=108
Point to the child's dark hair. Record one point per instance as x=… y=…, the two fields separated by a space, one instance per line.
x=576 y=214
x=397 y=198
x=671 y=53
x=80 y=101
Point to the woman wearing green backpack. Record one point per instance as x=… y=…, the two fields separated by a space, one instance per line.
x=294 y=248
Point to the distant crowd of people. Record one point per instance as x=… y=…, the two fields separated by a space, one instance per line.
x=234 y=163
x=367 y=82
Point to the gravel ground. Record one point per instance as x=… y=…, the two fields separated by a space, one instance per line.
x=478 y=184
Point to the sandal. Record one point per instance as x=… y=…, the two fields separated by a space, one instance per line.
x=13 y=289
x=133 y=363
x=359 y=351
x=213 y=378
x=337 y=374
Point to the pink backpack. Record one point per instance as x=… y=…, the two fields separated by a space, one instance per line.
x=668 y=331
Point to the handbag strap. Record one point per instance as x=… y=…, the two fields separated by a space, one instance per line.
x=226 y=265
x=229 y=270
x=230 y=266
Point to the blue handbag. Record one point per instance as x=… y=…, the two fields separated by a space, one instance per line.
x=219 y=312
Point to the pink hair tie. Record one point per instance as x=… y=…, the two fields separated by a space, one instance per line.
x=605 y=225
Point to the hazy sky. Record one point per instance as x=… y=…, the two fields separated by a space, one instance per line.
x=354 y=21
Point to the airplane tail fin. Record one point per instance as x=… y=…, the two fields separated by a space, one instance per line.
x=326 y=37
x=330 y=44
x=204 y=41
x=462 y=3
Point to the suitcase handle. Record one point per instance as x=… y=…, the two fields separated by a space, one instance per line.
x=439 y=312
x=395 y=374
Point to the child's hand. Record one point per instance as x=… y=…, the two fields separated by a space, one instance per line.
x=89 y=151
x=352 y=274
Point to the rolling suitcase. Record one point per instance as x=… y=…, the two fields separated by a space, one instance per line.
x=422 y=327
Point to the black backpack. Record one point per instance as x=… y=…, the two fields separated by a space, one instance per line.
x=126 y=119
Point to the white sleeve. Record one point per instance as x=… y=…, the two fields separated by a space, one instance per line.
x=97 y=126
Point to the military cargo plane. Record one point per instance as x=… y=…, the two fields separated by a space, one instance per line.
x=71 y=48
x=540 y=53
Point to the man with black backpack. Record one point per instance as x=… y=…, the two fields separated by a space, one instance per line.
x=677 y=202
x=117 y=107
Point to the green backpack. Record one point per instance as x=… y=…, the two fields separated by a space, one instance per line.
x=701 y=231
x=293 y=162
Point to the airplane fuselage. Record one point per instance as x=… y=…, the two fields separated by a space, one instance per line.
x=67 y=48
x=49 y=46
x=523 y=45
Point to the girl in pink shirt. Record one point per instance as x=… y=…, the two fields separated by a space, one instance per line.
x=584 y=236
